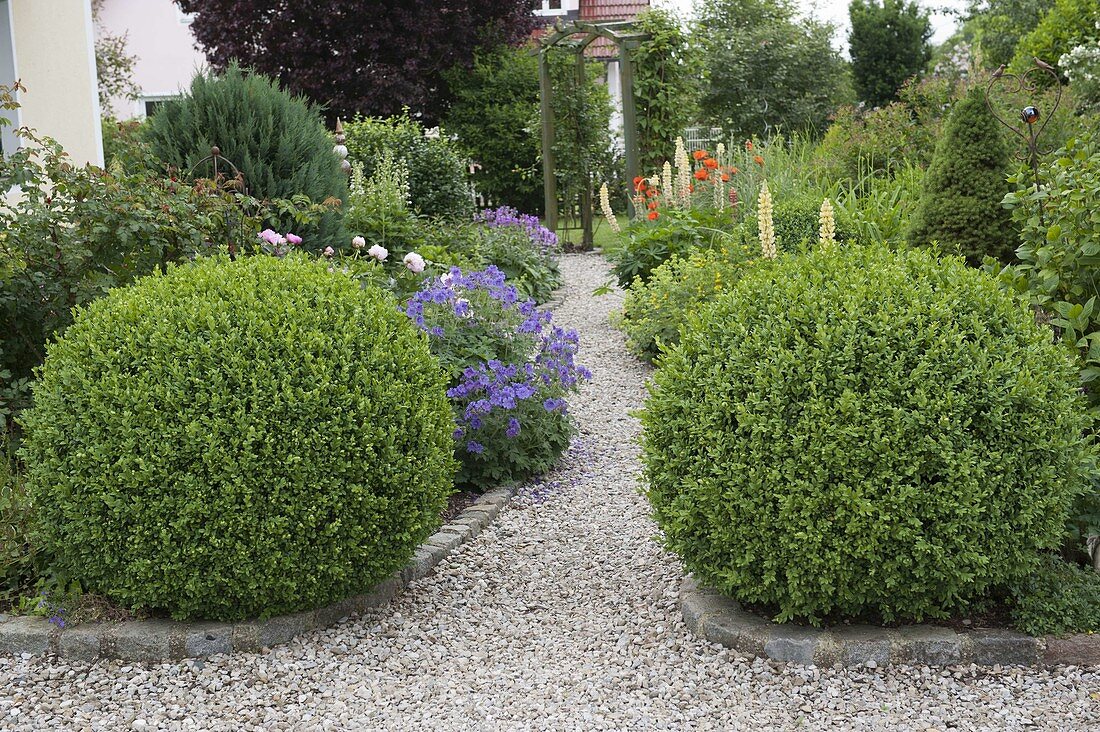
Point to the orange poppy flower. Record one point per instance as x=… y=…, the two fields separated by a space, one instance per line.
x=653 y=215
x=652 y=205
x=651 y=192
x=725 y=177
x=691 y=188
x=734 y=171
x=639 y=180
x=701 y=174
x=711 y=163
x=748 y=144
x=758 y=160
x=699 y=154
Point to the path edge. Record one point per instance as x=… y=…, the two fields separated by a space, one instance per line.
x=171 y=640
x=720 y=619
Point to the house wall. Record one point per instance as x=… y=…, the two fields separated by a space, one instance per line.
x=159 y=35
x=55 y=60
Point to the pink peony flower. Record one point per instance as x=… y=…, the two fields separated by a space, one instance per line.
x=270 y=236
x=414 y=262
x=293 y=239
x=358 y=242
x=378 y=252
x=329 y=251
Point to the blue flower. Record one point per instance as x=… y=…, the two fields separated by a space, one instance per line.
x=475 y=447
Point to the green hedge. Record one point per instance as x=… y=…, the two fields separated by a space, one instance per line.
x=238 y=439
x=863 y=432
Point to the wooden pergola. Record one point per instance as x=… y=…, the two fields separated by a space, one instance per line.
x=627 y=39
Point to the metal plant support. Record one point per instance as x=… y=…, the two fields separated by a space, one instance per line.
x=224 y=185
x=1027 y=84
x=623 y=35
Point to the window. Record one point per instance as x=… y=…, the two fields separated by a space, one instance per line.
x=152 y=104
x=8 y=139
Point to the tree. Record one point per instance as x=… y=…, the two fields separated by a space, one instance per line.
x=966 y=182
x=888 y=44
x=998 y=25
x=764 y=69
x=358 y=56
x=495 y=114
x=1067 y=24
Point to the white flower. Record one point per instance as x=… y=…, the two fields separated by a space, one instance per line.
x=358 y=242
x=446 y=279
x=764 y=222
x=414 y=262
x=605 y=208
x=378 y=252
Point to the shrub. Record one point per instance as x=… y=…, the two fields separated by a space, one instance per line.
x=436 y=169
x=510 y=372
x=961 y=203
x=654 y=311
x=17 y=551
x=238 y=439
x=522 y=248
x=378 y=207
x=797 y=223
x=649 y=244
x=1058 y=598
x=859 y=432
x=1058 y=270
x=277 y=141
x=495 y=115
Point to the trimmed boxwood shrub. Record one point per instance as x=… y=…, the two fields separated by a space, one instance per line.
x=238 y=439
x=863 y=432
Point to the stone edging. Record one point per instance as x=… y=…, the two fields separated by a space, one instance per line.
x=721 y=620
x=162 y=640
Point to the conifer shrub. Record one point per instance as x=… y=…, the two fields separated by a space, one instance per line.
x=278 y=142
x=861 y=432
x=966 y=181
x=238 y=439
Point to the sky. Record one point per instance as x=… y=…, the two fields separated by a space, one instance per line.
x=837 y=12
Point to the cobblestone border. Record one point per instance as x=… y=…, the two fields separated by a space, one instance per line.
x=163 y=640
x=721 y=620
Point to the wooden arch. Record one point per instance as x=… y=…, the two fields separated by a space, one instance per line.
x=627 y=39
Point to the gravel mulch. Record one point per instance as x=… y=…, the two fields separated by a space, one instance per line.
x=562 y=615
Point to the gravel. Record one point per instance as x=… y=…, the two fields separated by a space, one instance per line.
x=562 y=615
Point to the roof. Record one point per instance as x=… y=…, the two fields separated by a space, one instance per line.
x=612 y=9
x=603 y=10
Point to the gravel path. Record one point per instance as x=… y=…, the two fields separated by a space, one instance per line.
x=561 y=616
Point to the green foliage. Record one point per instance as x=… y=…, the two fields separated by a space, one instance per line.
x=1081 y=65
x=888 y=43
x=666 y=73
x=1068 y=23
x=654 y=311
x=649 y=244
x=18 y=554
x=883 y=140
x=278 y=142
x=532 y=270
x=378 y=207
x=961 y=203
x=998 y=25
x=879 y=209
x=863 y=432
x=238 y=439
x=436 y=168
x=797 y=223
x=765 y=70
x=495 y=115
x=123 y=146
x=1058 y=598
x=1059 y=255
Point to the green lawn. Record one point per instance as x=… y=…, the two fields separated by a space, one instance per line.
x=603 y=238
